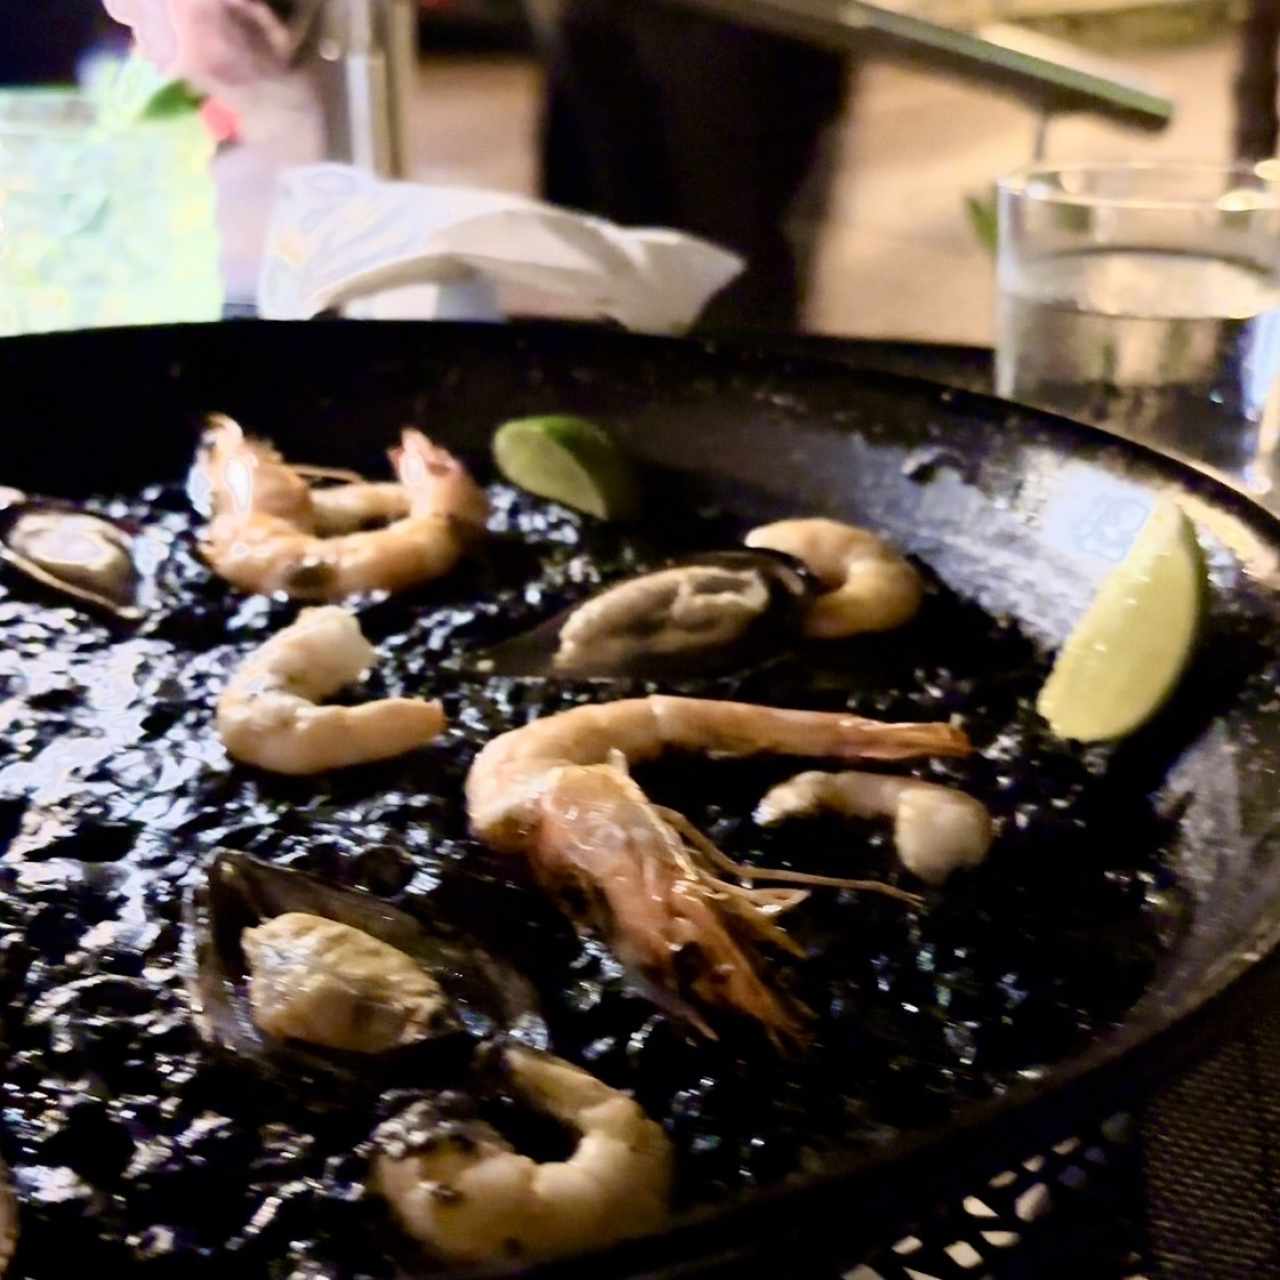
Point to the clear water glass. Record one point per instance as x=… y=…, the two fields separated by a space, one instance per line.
x=1145 y=298
x=103 y=224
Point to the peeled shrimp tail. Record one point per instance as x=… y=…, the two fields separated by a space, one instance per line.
x=268 y=716
x=878 y=594
x=437 y=483
x=302 y=740
x=869 y=585
x=460 y=1188
x=859 y=795
x=937 y=829
x=345 y=508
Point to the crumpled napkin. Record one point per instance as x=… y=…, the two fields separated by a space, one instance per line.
x=339 y=238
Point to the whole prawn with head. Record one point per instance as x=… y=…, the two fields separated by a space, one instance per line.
x=558 y=792
x=268 y=531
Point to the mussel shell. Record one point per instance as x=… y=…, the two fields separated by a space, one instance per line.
x=489 y=998
x=84 y=556
x=790 y=588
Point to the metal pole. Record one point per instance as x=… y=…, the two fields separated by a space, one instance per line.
x=402 y=68
x=1049 y=75
x=367 y=57
x=1040 y=144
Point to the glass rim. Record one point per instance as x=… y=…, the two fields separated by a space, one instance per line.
x=1260 y=179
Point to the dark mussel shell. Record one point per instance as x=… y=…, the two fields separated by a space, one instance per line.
x=86 y=557
x=748 y=606
x=489 y=998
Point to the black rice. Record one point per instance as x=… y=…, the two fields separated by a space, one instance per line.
x=132 y=1146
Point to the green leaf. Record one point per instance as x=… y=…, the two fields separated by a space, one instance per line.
x=132 y=89
x=176 y=98
x=982 y=218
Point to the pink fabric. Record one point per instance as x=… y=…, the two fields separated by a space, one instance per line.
x=213 y=44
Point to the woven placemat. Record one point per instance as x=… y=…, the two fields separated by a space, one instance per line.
x=1211 y=1155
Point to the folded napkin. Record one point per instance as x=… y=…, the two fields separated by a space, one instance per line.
x=341 y=238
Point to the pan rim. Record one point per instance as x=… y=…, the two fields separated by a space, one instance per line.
x=1084 y=1078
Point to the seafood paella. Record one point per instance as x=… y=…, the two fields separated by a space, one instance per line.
x=412 y=871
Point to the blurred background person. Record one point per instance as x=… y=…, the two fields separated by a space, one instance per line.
x=235 y=50
x=261 y=102
x=653 y=115
x=658 y=115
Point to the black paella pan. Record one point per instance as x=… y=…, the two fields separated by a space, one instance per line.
x=1018 y=512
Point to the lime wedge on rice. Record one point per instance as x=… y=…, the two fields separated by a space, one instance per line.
x=1125 y=656
x=569 y=460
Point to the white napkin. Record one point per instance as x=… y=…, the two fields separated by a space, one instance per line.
x=340 y=237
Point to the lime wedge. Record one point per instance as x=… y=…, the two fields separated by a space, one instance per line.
x=1124 y=657
x=568 y=460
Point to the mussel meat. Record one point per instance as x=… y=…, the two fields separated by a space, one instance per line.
x=83 y=556
x=709 y=613
x=329 y=984
x=299 y=977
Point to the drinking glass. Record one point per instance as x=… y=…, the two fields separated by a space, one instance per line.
x=103 y=223
x=1145 y=298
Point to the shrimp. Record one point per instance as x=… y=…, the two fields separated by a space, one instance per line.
x=558 y=792
x=346 y=508
x=462 y=1190
x=266 y=531
x=867 y=584
x=936 y=829
x=267 y=715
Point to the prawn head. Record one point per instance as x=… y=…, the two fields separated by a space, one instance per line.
x=622 y=868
